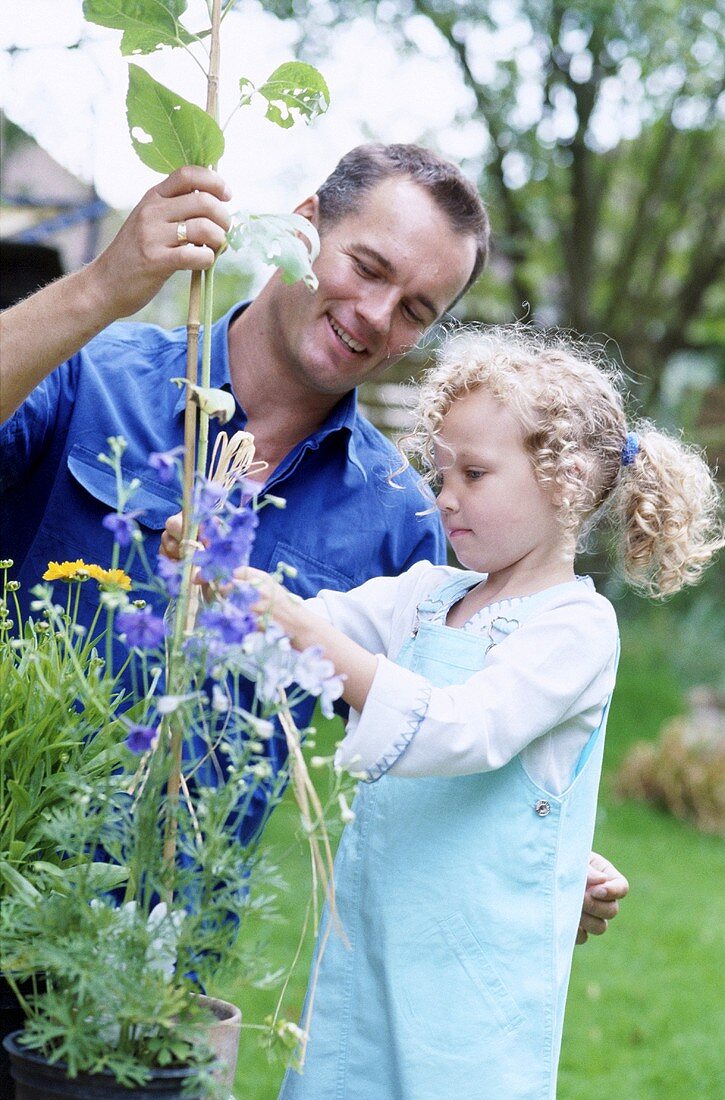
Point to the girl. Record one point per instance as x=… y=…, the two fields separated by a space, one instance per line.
x=480 y=700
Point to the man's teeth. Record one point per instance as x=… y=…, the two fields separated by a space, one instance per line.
x=355 y=345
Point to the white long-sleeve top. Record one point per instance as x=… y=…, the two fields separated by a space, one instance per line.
x=540 y=693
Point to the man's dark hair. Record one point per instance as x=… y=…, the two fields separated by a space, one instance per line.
x=366 y=166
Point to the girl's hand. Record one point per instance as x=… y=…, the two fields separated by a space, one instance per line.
x=304 y=629
x=283 y=607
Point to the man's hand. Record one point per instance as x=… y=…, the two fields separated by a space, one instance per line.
x=606 y=886
x=178 y=225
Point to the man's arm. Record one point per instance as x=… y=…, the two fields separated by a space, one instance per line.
x=39 y=333
x=606 y=886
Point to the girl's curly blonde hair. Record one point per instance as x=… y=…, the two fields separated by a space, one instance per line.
x=567 y=397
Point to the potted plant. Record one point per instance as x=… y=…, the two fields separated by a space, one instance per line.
x=130 y=889
x=154 y=813
x=55 y=700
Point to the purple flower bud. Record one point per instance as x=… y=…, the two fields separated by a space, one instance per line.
x=141 y=738
x=143 y=629
x=165 y=463
x=123 y=526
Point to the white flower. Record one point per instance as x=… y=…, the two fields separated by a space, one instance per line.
x=346 y=814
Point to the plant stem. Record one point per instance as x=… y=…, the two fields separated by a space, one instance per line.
x=176 y=663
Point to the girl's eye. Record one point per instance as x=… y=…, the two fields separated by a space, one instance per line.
x=475 y=475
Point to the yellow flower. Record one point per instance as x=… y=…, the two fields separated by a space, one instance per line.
x=115 y=577
x=64 y=570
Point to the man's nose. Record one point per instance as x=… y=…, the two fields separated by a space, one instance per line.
x=376 y=308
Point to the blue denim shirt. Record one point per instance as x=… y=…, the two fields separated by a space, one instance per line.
x=343 y=522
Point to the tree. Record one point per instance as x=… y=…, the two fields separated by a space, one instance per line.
x=600 y=154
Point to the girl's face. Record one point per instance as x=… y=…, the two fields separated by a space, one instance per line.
x=497 y=516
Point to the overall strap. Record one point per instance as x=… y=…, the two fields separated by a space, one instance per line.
x=447 y=593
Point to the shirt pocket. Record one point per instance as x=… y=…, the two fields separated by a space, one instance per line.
x=154 y=501
x=93 y=495
x=312 y=574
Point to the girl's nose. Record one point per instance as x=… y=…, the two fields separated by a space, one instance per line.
x=446 y=501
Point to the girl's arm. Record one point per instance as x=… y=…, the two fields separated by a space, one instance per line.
x=547 y=682
x=304 y=628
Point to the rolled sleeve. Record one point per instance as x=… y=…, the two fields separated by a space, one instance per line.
x=396 y=705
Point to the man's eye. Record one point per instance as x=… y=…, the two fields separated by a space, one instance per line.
x=364 y=270
x=413 y=316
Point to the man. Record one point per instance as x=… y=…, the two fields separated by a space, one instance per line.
x=403 y=236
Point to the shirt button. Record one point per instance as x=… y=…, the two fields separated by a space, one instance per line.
x=542 y=807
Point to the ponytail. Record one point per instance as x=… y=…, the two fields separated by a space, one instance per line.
x=665 y=508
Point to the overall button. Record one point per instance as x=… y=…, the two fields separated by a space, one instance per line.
x=542 y=807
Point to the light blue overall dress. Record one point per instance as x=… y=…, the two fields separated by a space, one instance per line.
x=461 y=899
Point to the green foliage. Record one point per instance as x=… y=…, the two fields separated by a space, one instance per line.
x=279 y=239
x=146 y=24
x=293 y=90
x=600 y=156
x=57 y=711
x=166 y=130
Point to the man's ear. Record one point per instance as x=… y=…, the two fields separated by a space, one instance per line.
x=310 y=209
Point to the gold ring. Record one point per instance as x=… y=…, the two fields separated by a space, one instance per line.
x=181 y=233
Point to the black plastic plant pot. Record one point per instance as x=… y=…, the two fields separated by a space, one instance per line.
x=11 y=1018
x=37 y=1079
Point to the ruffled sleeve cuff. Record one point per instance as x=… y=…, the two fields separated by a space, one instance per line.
x=395 y=708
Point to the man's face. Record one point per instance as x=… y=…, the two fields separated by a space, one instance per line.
x=386 y=272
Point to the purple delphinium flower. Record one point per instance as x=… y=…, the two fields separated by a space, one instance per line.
x=228 y=545
x=141 y=738
x=209 y=496
x=165 y=463
x=123 y=526
x=269 y=660
x=169 y=573
x=316 y=675
x=332 y=689
x=143 y=629
x=232 y=620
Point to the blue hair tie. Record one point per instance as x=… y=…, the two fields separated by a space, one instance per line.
x=630 y=450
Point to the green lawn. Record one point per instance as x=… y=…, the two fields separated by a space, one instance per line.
x=646 y=1009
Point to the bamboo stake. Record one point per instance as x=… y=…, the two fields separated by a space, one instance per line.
x=175 y=725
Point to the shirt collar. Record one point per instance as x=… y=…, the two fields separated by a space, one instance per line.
x=341 y=419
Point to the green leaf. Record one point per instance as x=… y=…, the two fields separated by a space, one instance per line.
x=167 y=131
x=18 y=884
x=294 y=90
x=146 y=24
x=279 y=239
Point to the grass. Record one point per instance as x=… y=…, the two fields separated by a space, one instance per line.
x=646 y=1012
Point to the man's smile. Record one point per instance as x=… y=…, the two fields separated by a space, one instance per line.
x=348 y=340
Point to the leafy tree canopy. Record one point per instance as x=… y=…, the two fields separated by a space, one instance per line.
x=599 y=145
